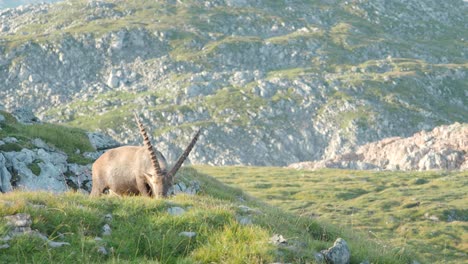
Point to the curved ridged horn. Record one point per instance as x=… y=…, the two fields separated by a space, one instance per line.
x=183 y=156
x=146 y=140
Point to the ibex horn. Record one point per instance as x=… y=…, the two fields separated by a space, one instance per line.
x=146 y=140
x=184 y=155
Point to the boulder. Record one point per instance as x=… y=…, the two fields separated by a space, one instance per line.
x=25 y=116
x=50 y=174
x=176 y=211
x=101 y=141
x=339 y=253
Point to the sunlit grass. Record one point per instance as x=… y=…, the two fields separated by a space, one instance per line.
x=408 y=210
x=143 y=231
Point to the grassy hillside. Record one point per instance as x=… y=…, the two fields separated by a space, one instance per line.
x=70 y=140
x=143 y=231
x=424 y=212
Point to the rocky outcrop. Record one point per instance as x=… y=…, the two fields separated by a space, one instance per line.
x=42 y=169
x=443 y=148
x=339 y=253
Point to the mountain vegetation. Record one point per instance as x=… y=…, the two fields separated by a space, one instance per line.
x=287 y=81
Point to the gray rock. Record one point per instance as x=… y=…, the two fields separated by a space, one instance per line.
x=39 y=143
x=19 y=220
x=339 y=253
x=2 y=118
x=191 y=188
x=176 y=211
x=188 y=234
x=80 y=176
x=248 y=210
x=102 y=250
x=106 y=230
x=108 y=218
x=21 y=223
x=5 y=176
x=101 y=141
x=10 y=140
x=54 y=244
x=4 y=246
x=52 y=169
x=113 y=81
x=25 y=116
x=244 y=220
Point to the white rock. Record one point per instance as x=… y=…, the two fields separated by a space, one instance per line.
x=188 y=234
x=54 y=244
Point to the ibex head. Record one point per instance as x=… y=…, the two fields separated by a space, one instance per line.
x=161 y=180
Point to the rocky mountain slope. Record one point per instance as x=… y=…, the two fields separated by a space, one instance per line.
x=445 y=147
x=16 y=3
x=270 y=82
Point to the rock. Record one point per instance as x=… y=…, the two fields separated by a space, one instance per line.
x=54 y=244
x=113 y=81
x=25 y=116
x=244 y=220
x=188 y=234
x=192 y=188
x=101 y=141
x=5 y=176
x=10 y=140
x=20 y=222
x=39 y=143
x=2 y=118
x=52 y=166
x=443 y=148
x=4 y=246
x=102 y=250
x=80 y=176
x=176 y=211
x=108 y=218
x=248 y=210
x=277 y=240
x=338 y=254
x=106 y=230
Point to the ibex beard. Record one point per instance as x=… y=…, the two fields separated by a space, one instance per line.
x=136 y=170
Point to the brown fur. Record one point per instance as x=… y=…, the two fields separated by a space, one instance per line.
x=122 y=170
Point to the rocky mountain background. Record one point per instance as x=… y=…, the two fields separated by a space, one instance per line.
x=269 y=82
x=16 y=3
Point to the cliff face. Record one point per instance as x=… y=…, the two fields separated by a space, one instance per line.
x=270 y=82
x=443 y=148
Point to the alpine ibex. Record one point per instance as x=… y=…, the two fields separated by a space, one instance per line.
x=136 y=169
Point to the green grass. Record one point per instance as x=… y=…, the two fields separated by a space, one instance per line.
x=423 y=212
x=64 y=138
x=143 y=231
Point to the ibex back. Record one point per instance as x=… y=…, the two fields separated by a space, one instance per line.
x=136 y=170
